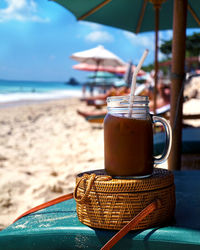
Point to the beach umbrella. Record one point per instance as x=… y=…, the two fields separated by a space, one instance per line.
x=93 y=67
x=102 y=74
x=136 y=16
x=98 y=56
x=111 y=69
x=102 y=78
x=193 y=59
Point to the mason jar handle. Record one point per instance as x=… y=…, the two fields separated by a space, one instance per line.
x=168 y=142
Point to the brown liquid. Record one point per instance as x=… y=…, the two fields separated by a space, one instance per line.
x=128 y=146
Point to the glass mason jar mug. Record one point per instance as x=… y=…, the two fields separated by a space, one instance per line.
x=128 y=139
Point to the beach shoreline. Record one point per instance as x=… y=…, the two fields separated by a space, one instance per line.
x=30 y=102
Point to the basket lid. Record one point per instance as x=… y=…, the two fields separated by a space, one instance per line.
x=160 y=178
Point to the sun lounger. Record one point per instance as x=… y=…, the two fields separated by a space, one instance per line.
x=95 y=118
x=162 y=110
x=99 y=118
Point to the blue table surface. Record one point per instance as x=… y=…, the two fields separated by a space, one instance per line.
x=57 y=227
x=190 y=141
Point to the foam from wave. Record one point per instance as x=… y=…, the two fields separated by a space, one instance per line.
x=16 y=97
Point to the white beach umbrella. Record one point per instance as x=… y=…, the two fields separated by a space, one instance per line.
x=98 y=56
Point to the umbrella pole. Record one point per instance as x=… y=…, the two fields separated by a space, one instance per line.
x=178 y=61
x=157 y=9
x=156 y=5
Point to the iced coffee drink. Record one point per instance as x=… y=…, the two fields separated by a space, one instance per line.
x=128 y=146
x=128 y=139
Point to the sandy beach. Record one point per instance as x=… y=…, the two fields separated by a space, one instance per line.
x=42 y=148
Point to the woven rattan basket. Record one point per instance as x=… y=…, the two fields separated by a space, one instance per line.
x=106 y=202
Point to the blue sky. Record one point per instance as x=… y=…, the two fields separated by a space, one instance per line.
x=38 y=37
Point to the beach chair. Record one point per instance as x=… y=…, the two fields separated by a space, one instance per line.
x=95 y=118
x=100 y=118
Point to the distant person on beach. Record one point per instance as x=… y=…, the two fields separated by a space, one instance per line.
x=163 y=98
x=163 y=95
x=84 y=90
x=91 y=90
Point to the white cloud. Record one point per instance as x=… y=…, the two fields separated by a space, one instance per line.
x=94 y=26
x=97 y=33
x=165 y=35
x=21 y=10
x=146 y=41
x=99 y=36
x=161 y=56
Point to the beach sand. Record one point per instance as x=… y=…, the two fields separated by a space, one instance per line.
x=42 y=148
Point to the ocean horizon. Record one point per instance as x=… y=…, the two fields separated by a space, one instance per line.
x=13 y=91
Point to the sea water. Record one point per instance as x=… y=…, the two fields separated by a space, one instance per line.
x=30 y=91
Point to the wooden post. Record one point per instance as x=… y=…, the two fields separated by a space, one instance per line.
x=178 y=62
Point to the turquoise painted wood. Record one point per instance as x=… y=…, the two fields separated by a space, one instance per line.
x=58 y=227
x=190 y=141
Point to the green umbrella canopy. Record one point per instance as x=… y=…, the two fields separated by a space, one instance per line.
x=133 y=15
x=102 y=78
x=101 y=74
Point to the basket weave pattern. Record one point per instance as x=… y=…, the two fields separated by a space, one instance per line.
x=112 y=203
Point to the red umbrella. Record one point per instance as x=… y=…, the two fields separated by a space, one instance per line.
x=93 y=67
x=187 y=59
x=117 y=70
